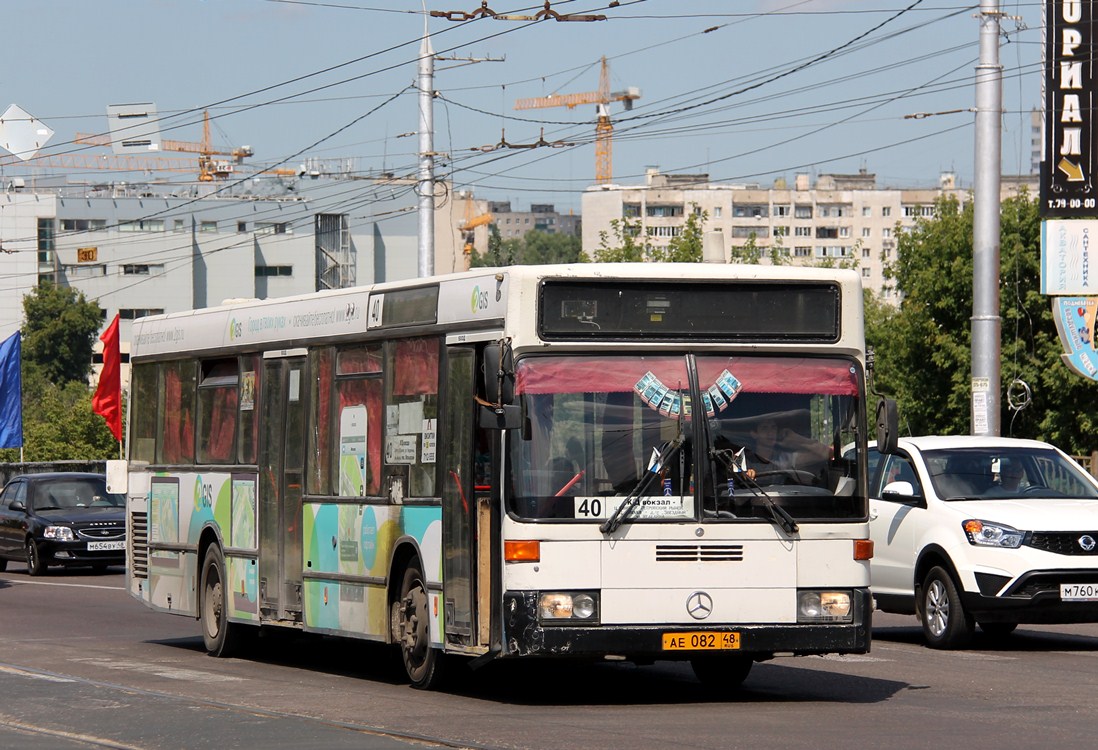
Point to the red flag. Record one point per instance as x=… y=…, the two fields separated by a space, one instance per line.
x=107 y=401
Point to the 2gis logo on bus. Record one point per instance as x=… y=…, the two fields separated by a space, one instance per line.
x=480 y=300
x=236 y=329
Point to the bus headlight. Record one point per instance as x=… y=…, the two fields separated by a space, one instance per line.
x=824 y=606
x=576 y=606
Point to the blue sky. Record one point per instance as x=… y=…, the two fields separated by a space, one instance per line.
x=746 y=90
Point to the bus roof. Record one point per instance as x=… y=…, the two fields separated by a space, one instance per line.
x=476 y=298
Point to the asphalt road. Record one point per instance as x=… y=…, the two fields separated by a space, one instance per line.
x=82 y=665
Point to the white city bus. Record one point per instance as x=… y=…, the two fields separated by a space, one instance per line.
x=525 y=462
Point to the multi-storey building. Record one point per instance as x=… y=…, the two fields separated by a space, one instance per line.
x=137 y=250
x=840 y=217
x=542 y=216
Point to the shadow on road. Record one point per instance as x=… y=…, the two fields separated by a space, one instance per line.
x=563 y=683
x=1027 y=638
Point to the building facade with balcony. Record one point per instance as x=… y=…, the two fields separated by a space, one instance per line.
x=839 y=217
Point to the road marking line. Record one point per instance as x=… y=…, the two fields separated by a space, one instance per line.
x=34 y=675
x=171 y=673
x=91 y=739
x=17 y=582
x=851 y=658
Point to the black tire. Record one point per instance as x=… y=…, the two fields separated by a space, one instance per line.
x=722 y=672
x=221 y=637
x=411 y=628
x=998 y=629
x=35 y=565
x=945 y=623
x=3 y=564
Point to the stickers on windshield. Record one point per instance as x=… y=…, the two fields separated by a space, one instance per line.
x=729 y=385
x=656 y=506
x=673 y=403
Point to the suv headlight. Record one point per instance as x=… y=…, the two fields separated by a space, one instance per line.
x=60 y=533
x=986 y=534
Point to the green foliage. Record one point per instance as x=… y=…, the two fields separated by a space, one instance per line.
x=59 y=331
x=58 y=422
x=535 y=248
x=626 y=244
x=924 y=356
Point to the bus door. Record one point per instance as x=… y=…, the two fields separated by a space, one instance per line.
x=459 y=503
x=281 y=469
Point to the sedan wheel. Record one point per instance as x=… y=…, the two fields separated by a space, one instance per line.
x=35 y=566
x=946 y=625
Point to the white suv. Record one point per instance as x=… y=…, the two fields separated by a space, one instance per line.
x=989 y=531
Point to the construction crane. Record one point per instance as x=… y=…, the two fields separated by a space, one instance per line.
x=469 y=224
x=604 y=130
x=209 y=169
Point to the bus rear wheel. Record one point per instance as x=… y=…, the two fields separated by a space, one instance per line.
x=221 y=637
x=411 y=615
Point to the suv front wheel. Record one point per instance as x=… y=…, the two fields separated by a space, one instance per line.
x=946 y=625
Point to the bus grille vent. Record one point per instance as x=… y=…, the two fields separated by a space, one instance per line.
x=699 y=553
x=139 y=544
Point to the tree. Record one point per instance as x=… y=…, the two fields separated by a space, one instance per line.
x=535 y=248
x=59 y=332
x=924 y=350
x=627 y=246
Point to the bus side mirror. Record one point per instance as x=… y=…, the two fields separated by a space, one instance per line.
x=499 y=373
x=887 y=426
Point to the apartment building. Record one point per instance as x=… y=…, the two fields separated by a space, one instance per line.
x=839 y=217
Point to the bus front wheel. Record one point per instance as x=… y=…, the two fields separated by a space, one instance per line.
x=411 y=614
x=220 y=636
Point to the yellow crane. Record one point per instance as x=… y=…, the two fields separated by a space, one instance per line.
x=209 y=168
x=604 y=130
x=471 y=221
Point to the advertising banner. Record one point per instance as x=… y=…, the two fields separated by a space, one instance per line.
x=1068 y=168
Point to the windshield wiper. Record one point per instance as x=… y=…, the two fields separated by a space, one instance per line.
x=778 y=514
x=655 y=466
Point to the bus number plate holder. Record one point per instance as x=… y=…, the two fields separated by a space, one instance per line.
x=701 y=641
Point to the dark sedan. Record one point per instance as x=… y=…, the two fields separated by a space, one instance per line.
x=63 y=518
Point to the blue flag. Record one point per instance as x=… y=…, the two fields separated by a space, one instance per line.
x=11 y=393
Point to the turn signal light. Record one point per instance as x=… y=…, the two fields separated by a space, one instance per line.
x=522 y=551
x=863 y=549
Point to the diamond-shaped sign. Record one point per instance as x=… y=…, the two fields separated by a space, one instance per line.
x=21 y=133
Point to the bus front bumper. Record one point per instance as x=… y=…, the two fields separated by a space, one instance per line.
x=525 y=636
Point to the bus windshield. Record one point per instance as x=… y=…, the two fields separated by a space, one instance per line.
x=771 y=431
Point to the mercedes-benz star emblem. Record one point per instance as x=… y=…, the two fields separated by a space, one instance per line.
x=699 y=605
x=1086 y=541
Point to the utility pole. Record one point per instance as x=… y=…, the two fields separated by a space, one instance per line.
x=986 y=323
x=426 y=184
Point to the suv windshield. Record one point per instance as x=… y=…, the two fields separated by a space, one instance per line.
x=978 y=473
x=771 y=432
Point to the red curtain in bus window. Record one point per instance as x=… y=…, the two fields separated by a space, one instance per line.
x=178 y=420
x=222 y=427
x=415 y=367
x=617 y=374
x=366 y=393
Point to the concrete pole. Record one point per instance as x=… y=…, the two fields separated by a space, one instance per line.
x=426 y=183
x=986 y=323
